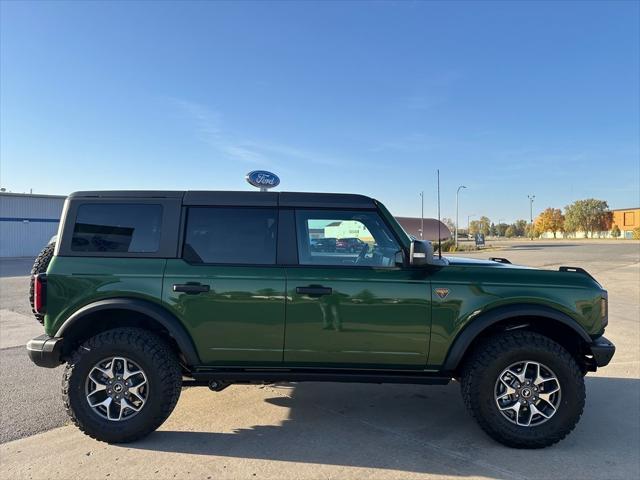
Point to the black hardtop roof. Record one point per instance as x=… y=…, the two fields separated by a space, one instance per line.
x=240 y=198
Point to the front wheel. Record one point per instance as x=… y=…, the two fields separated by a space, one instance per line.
x=523 y=389
x=121 y=385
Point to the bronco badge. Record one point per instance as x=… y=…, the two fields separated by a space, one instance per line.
x=442 y=292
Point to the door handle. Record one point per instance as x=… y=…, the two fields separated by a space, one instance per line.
x=314 y=290
x=190 y=288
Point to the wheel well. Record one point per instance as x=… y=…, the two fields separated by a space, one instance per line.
x=102 y=320
x=555 y=330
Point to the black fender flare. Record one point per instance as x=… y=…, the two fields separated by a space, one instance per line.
x=156 y=312
x=477 y=325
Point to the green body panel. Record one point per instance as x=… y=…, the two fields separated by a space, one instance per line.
x=73 y=282
x=373 y=318
x=240 y=320
x=475 y=290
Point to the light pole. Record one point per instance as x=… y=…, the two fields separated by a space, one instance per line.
x=457 y=202
x=531 y=197
x=421 y=215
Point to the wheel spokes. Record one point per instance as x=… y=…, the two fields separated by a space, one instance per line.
x=527 y=393
x=116 y=388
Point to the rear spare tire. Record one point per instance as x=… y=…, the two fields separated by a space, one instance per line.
x=40 y=266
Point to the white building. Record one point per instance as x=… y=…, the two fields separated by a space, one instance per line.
x=27 y=222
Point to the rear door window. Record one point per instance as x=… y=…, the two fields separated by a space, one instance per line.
x=117 y=228
x=231 y=235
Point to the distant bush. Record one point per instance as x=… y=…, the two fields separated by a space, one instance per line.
x=636 y=233
x=615 y=231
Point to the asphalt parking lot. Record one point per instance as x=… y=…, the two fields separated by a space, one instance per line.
x=316 y=430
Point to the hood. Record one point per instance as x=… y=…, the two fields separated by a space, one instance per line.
x=479 y=262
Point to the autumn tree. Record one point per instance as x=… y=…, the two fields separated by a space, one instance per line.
x=550 y=220
x=589 y=216
x=510 y=232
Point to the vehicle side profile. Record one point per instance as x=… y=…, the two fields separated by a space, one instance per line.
x=145 y=291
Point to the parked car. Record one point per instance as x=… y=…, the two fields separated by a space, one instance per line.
x=350 y=245
x=327 y=245
x=215 y=288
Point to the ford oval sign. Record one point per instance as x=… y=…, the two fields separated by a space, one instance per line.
x=263 y=179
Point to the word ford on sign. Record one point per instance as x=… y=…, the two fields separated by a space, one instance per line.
x=263 y=179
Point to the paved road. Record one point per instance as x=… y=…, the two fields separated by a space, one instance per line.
x=30 y=399
x=314 y=430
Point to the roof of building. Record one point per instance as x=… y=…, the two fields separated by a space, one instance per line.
x=30 y=195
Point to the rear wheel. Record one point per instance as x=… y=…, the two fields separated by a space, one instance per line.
x=523 y=389
x=121 y=385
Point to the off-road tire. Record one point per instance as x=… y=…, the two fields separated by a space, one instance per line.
x=491 y=357
x=40 y=266
x=157 y=360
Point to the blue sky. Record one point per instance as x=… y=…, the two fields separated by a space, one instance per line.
x=507 y=98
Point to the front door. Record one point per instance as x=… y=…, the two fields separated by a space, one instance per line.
x=227 y=288
x=353 y=304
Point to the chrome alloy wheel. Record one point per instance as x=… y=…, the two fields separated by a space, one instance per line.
x=116 y=388
x=527 y=393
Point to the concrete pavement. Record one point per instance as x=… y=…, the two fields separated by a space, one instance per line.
x=315 y=430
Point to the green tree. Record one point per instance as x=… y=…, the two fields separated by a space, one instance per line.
x=615 y=231
x=520 y=227
x=493 y=230
x=589 y=216
x=485 y=225
x=511 y=231
x=501 y=229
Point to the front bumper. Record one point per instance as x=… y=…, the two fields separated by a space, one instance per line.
x=602 y=351
x=45 y=351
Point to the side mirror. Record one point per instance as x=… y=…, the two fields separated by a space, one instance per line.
x=421 y=253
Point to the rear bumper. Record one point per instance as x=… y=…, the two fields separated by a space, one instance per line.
x=602 y=351
x=45 y=351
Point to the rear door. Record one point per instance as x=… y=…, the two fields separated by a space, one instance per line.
x=354 y=307
x=227 y=288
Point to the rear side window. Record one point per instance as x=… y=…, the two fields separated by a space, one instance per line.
x=118 y=228
x=231 y=235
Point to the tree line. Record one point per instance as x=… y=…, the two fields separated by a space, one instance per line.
x=590 y=216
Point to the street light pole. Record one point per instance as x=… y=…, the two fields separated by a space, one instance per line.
x=457 y=203
x=531 y=197
x=421 y=215
x=469 y=223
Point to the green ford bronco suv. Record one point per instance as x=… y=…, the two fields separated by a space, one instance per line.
x=144 y=292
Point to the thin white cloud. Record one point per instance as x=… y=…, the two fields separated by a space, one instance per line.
x=263 y=154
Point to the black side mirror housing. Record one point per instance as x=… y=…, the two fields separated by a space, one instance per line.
x=421 y=253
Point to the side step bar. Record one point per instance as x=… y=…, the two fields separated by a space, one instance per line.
x=282 y=375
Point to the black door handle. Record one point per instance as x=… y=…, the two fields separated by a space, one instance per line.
x=190 y=288
x=314 y=290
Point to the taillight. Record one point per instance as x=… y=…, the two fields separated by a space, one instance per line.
x=40 y=293
x=604 y=309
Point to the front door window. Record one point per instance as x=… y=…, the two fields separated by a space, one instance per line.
x=345 y=238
